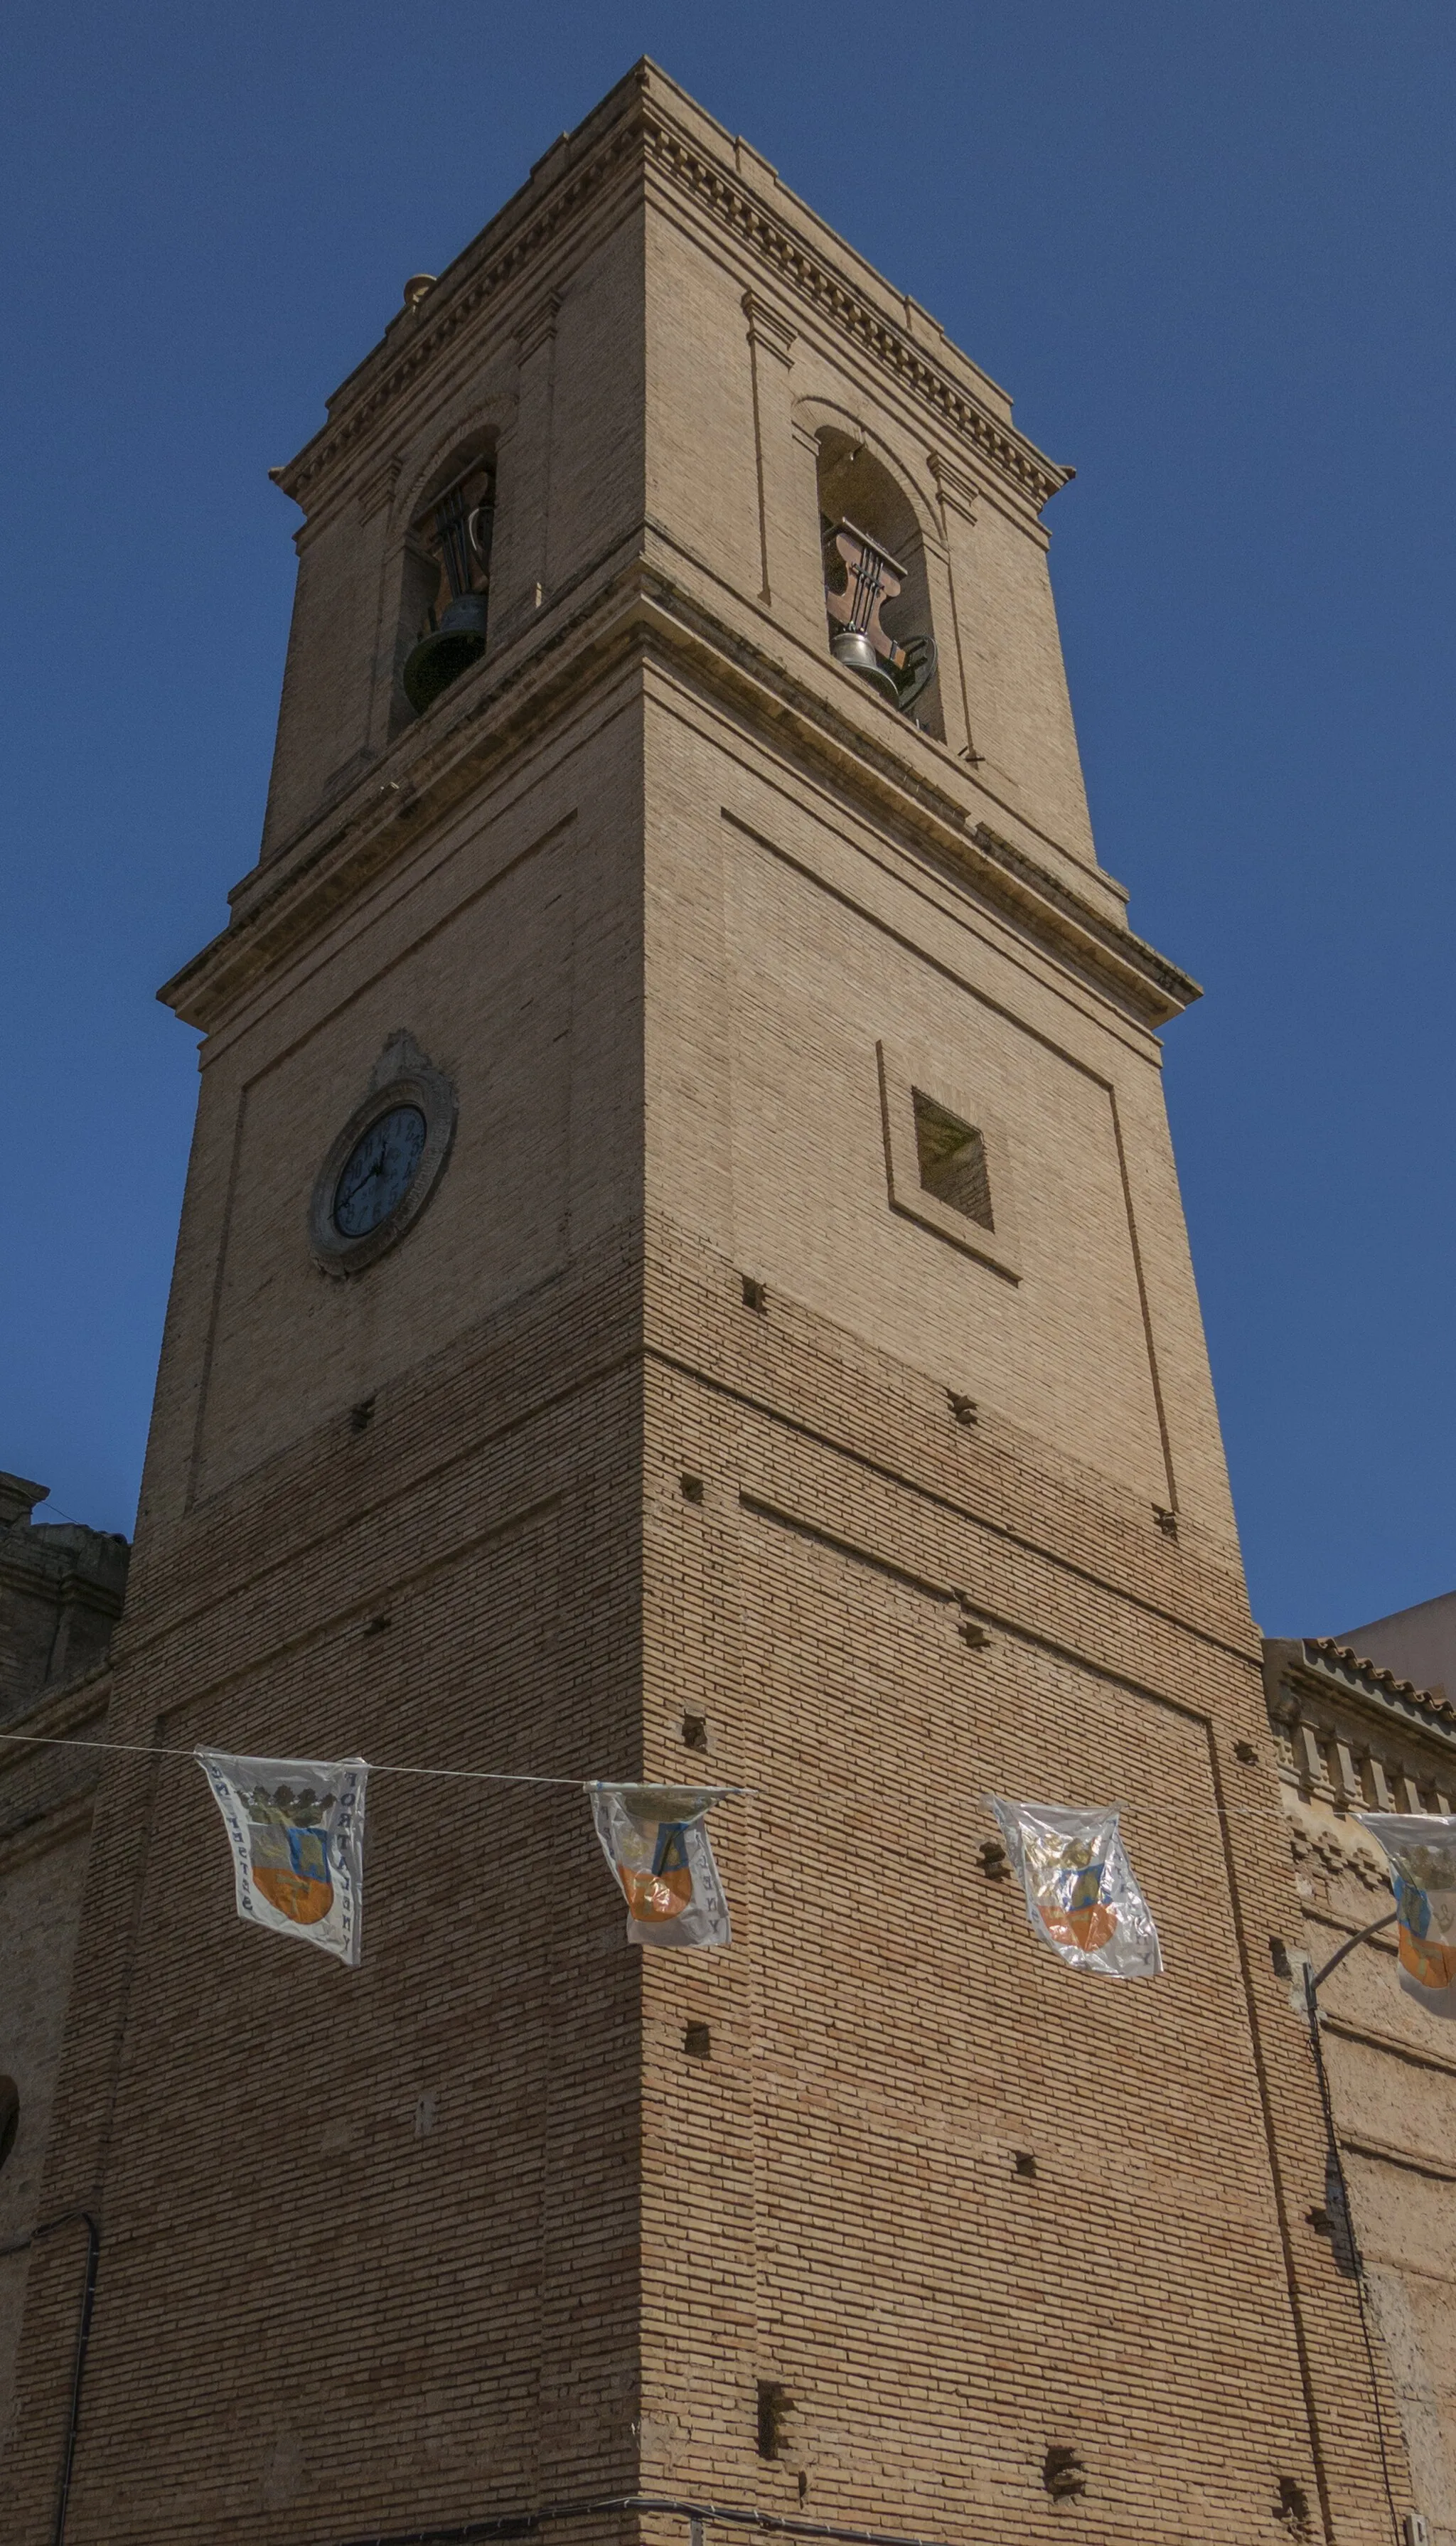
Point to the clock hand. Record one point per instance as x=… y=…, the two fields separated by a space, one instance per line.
x=357 y=1187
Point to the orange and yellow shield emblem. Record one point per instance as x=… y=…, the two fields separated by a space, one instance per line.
x=291 y=1870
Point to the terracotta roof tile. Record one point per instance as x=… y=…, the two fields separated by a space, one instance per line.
x=1329 y=1651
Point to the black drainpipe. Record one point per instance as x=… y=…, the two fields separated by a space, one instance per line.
x=83 y=2337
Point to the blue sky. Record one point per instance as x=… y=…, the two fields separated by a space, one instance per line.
x=1209 y=249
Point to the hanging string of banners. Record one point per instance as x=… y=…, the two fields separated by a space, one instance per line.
x=296 y=1828
x=296 y=1832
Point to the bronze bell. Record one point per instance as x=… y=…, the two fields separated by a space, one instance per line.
x=860 y=577
x=852 y=647
x=445 y=651
x=461 y=540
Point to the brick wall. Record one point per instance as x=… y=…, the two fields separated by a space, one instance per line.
x=45 y=1801
x=474 y=2229
x=1347 y=1734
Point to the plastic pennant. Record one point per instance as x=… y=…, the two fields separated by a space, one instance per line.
x=1421 y=1847
x=296 y=1828
x=654 y=1839
x=1082 y=1897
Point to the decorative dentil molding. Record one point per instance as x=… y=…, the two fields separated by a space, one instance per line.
x=1026 y=469
x=1349 y=1747
x=708 y=183
x=318 y=456
x=1340 y=1851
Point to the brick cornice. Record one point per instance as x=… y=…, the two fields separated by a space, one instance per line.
x=644 y=125
x=59 y=1575
x=452 y=309
x=1033 y=475
x=1333 y=1676
x=1119 y=944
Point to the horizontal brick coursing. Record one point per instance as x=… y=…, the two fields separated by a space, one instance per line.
x=472 y=2230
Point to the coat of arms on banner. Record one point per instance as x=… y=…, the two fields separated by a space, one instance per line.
x=1081 y=1895
x=1421 y=1847
x=654 y=1841
x=296 y=1828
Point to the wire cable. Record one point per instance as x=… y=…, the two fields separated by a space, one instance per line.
x=376 y=1768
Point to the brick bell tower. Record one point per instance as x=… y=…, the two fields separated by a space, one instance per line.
x=682 y=1274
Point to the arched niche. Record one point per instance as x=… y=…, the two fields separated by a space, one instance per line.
x=444 y=574
x=876 y=581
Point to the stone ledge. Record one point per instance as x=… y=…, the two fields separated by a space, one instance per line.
x=640 y=610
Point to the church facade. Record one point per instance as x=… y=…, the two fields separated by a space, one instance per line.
x=682 y=1277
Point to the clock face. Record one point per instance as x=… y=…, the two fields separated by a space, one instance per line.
x=383 y=1164
x=378 y=1171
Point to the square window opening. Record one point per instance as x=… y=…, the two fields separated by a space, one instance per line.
x=951 y=1155
x=950 y=1165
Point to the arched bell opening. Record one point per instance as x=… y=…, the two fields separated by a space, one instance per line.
x=877 y=593
x=446 y=582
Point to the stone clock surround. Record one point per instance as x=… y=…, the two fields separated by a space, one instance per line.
x=402 y=1076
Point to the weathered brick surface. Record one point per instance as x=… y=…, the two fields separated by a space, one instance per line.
x=1351 y=1738
x=44 y=1828
x=471 y=2232
x=62 y=1587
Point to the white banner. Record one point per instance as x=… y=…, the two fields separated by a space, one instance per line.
x=296 y=1831
x=1081 y=1895
x=654 y=1841
x=1421 y=1847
